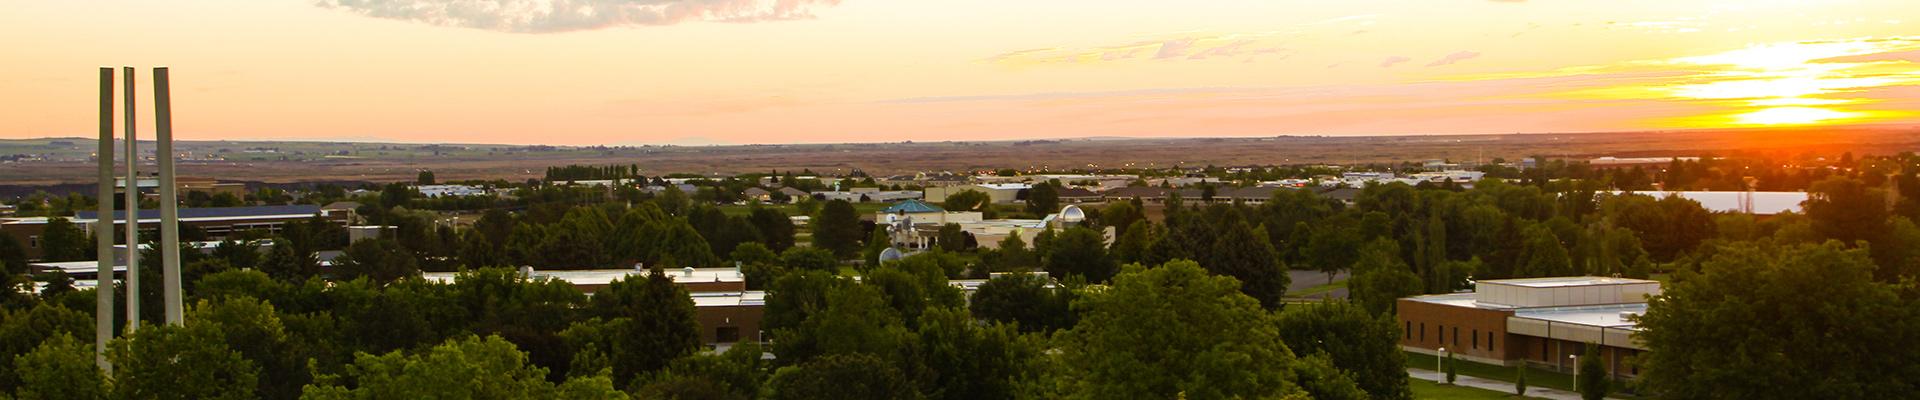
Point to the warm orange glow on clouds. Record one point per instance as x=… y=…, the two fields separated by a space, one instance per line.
x=781 y=71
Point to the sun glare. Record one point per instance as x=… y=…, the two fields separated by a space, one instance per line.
x=1792 y=116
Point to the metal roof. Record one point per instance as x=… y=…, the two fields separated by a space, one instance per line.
x=215 y=212
x=912 y=207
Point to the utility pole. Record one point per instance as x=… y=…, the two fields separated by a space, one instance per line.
x=133 y=207
x=169 y=205
x=103 y=226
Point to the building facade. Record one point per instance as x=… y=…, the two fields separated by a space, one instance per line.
x=1544 y=322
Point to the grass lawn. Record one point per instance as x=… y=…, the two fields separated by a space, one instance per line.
x=1423 y=389
x=1319 y=290
x=1535 y=377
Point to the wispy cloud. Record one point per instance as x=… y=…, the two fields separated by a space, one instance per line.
x=1453 y=58
x=1183 y=47
x=1394 y=60
x=547 y=16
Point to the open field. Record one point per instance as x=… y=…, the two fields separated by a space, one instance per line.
x=55 y=161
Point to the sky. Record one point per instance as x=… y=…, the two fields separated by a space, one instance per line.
x=629 y=72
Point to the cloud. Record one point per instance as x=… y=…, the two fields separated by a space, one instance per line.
x=1391 y=61
x=1911 y=56
x=1453 y=58
x=548 y=16
x=1186 y=47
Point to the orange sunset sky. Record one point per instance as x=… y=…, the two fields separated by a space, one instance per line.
x=578 y=72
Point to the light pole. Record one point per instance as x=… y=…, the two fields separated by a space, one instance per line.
x=1576 y=371
x=1439 y=372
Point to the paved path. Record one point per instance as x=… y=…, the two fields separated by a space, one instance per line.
x=1301 y=280
x=1489 y=384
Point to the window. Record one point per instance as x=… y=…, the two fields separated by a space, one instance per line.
x=1543 y=351
x=1489 y=340
x=33 y=241
x=726 y=334
x=1456 y=336
x=1423 y=331
x=1476 y=339
x=1408 y=331
x=1440 y=334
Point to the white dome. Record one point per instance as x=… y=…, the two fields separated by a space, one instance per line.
x=1072 y=214
x=890 y=254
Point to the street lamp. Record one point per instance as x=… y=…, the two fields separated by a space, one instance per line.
x=1439 y=372
x=1576 y=371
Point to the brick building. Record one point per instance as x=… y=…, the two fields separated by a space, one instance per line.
x=1539 y=321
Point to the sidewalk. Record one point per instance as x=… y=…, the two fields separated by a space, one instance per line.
x=1489 y=384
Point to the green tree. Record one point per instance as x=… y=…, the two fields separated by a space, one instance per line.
x=60 y=368
x=838 y=229
x=61 y=240
x=951 y=238
x=378 y=259
x=1845 y=209
x=286 y=261
x=1245 y=254
x=1132 y=246
x=810 y=259
x=855 y=319
x=13 y=257
x=1520 y=379
x=796 y=296
x=426 y=177
x=1043 y=198
x=147 y=365
x=841 y=376
x=1380 y=278
x=1014 y=256
x=22 y=330
x=1361 y=344
x=968 y=360
x=759 y=264
x=1544 y=256
x=1593 y=375
x=1177 y=317
x=1026 y=300
x=1756 y=315
x=648 y=322
x=967 y=200
x=1452 y=371
x=736 y=374
x=1121 y=216
x=1082 y=252
x=467 y=368
x=775 y=227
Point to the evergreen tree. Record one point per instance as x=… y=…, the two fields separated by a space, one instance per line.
x=838 y=229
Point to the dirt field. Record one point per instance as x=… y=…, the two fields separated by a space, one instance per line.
x=305 y=162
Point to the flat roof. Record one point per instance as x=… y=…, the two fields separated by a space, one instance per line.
x=1604 y=316
x=729 y=299
x=1567 y=281
x=607 y=276
x=1459 y=300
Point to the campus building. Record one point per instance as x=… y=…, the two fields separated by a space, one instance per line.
x=217 y=222
x=728 y=312
x=1540 y=321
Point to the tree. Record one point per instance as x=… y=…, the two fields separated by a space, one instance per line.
x=1361 y=344
x=951 y=238
x=841 y=376
x=13 y=257
x=1025 y=300
x=426 y=177
x=967 y=200
x=1755 y=315
x=1544 y=256
x=1380 y=278
x=1452 y=372
x=61 y=240
x=968 y=360
x=1844 y=209
x=775 y=227
x=1121 y=216
x=1082 y=252
x=1245 y=254
x=1520 y=379
x=378 y=259
x=22 y=330
x=1014 y=256
x=648 y=322
x=1593 y=375
x=152 y=368
x=1177 y=317
x=466 y=368
x=758 y=264
x=736 y=374
x=855 y=319
x=838 y=229
x=1043 y=198
x=285 y=261
x=810 y=259
x=60 y=368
